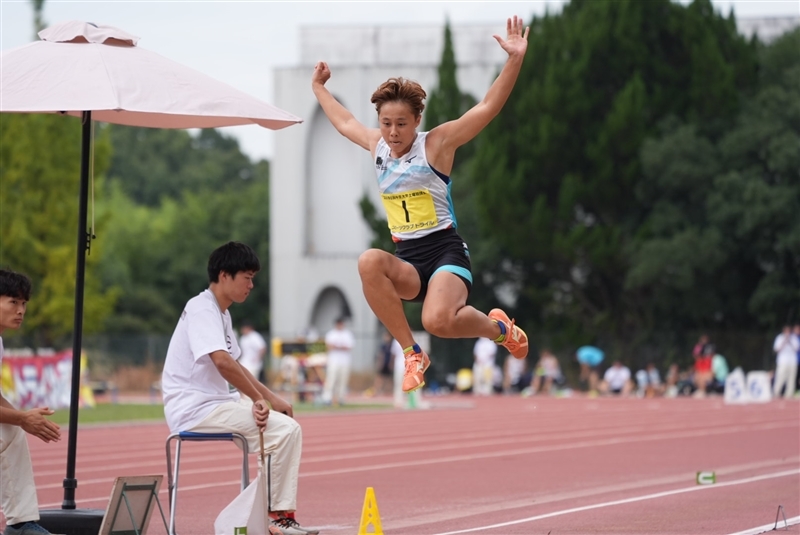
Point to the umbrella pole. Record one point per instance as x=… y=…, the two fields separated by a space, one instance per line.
x=70 y=482
x=69 y=520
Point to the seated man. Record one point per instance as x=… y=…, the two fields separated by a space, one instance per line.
x=17 y=490
x=719 y=370
x=649 y=382
x=617 y=380
x=201 y=362
x=547 y=372
x=589 y=358
x=515 y=374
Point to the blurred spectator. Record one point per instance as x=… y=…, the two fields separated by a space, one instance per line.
x=514 y=374
x=385 y=366
x=546 y=373
x=797 y=336
x=649 y=381
x=671 y=380
x=697 y=350
x=617 y=380
x=253 y=349
x=339 y=342
x=786 y=347
x=484 y=353
x=702 y=369
x=590 y=357
x=719 y=371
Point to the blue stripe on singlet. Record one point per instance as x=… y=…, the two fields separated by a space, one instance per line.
x=394 y=186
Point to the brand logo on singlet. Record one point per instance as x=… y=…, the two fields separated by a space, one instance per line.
x=409 y=160
x=379 y=164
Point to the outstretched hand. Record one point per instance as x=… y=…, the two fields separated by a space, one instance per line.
x=516 y=42
x=35 y=423
x=322 y=73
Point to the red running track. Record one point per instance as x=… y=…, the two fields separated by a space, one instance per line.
x=501 y=465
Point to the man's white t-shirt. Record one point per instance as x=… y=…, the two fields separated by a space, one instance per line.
x=616 y=377
x=191 y=384
x=787 y=349
x=252 y=344
x=514 y=368
x=339 y=338
x=485 y=351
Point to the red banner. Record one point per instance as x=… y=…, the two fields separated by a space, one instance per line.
x=37 y=381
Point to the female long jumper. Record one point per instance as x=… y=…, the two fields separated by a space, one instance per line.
x=431 y=263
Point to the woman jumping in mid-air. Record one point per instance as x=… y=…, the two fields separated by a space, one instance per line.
x=431 y=263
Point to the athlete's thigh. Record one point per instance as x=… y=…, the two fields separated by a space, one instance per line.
x=447 y=294
x=404 y=276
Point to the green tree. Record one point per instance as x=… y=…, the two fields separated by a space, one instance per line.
x=39 y=183
x=159 y=254
x=557 y=171
x=152 y=163
x=721 y=246
x=446 y=102
x=38 y=21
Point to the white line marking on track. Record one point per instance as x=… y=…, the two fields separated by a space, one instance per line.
x=768 y=527
x=626 y=500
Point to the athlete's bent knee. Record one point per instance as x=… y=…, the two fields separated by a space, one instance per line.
x=371 y=262
x=438 y=323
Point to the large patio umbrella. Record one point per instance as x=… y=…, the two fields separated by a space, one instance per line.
x=98 y=73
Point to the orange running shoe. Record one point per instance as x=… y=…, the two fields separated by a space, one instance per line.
x=516 y=341
x=416 y=364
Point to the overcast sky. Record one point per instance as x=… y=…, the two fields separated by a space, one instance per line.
x=242 y=42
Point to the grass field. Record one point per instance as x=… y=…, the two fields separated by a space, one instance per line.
x=125 y=412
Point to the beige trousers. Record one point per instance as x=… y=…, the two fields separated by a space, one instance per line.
x=17 y=490
x=283 y=442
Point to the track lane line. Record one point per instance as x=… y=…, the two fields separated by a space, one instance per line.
x=769 y=527
x=684 y=490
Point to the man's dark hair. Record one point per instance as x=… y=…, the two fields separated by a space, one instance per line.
x=13 y=284
x=232 y=258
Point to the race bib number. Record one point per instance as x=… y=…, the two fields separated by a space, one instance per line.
x=408 y=211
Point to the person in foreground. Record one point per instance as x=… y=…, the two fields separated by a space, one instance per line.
x=202 y=360
x=17 y=489
x=431 y=263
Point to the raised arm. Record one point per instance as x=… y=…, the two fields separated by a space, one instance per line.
x=446 y=138
x=339 y=116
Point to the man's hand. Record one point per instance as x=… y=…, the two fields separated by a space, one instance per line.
x=261 y=413
x=281 y=405
x=35 y=423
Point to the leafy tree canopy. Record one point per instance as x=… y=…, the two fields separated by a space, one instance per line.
x=557 y=173
x=40 y=170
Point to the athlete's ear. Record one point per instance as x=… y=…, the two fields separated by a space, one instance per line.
x=416 y=123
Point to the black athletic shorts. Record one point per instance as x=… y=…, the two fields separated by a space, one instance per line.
x=443 y=250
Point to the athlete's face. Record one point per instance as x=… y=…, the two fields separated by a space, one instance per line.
x=398 y=126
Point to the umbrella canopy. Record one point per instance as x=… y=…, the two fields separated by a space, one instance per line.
x=79 y=66
x=99 y=73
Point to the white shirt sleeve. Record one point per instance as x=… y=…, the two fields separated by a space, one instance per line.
x=206 y=334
